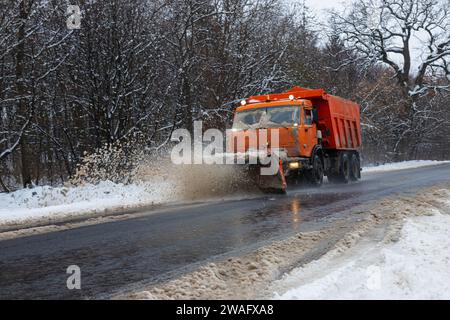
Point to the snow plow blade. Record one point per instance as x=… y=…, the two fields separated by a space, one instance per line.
x=268 y=183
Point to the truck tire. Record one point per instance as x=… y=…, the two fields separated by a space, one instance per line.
x=355 y=172
x=344 y=170
x=315 y=175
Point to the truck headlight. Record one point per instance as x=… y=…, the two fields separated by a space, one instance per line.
x=294 y=165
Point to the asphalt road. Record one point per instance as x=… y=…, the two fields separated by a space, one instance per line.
x=168 y=242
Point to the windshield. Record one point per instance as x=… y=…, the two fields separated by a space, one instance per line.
x=275 y=117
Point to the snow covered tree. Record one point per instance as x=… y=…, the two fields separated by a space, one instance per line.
x=412 y=38
x=136 y=70
x=26 y=38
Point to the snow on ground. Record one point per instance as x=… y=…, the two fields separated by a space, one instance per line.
x=45 y=201
x=402 y=165
x=48 y=202
x=417 y=266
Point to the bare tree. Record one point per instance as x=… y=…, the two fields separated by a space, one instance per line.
x=27 y=39
x=136 y=70
x=387 y=32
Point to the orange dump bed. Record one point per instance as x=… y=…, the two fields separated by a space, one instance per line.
x=339 y=121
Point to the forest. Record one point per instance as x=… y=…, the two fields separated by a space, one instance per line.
x=133 y=71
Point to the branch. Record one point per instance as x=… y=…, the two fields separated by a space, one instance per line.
x=11 y=149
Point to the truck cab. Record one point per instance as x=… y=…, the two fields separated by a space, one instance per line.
x=294 y=121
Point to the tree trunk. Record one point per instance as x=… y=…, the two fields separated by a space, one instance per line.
x=3 y=185
x=20 y=85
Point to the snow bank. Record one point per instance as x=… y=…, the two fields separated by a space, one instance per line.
x=415 y=267
x=157 y=184
x=49 y=202
x=402 y=165
x=190 y=183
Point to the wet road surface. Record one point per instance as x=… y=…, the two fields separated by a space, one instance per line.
x=116 y=254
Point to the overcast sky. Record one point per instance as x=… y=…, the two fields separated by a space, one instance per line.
x=319 y=5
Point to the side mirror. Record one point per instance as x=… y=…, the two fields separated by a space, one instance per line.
x=315 y=115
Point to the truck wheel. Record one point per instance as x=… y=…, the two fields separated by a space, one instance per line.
x=345 y=169
x=354 y=168
x=315 y=175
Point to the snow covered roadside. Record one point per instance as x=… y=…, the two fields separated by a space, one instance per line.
x=402 y=165
x=417 y=266
x=48 y=202
x=330 y=252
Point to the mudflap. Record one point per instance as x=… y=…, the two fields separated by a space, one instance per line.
x=271 y=184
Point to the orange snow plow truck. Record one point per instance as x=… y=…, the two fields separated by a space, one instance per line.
x=318 y=135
